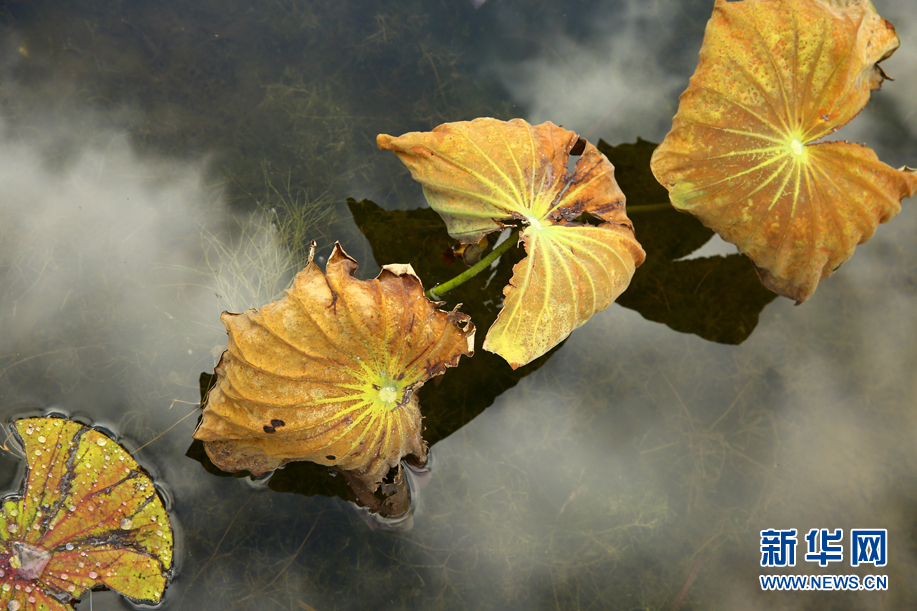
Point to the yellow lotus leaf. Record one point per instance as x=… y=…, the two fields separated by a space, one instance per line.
x=774 y=77
x=481 y=174
x=329 y=373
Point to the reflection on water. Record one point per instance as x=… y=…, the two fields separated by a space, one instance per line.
x=142 y=149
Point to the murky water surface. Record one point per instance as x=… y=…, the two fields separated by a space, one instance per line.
x=161 y=162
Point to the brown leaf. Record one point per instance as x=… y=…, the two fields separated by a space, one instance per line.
x=329 y=373
x=481 y=174
x=775 y=76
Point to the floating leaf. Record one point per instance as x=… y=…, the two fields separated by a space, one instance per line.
x=716 y=298
x=481 y=174
x=773 y=77
x=88 y=516
x=329 y=373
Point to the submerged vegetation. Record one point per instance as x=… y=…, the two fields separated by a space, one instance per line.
x=291 y=86
x=252 y=259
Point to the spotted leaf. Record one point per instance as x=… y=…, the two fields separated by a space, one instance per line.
x=88 y=516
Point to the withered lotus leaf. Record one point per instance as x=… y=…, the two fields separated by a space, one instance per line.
x=88 y=516
x=480 y=174
x=329 y=373
x=774 y=76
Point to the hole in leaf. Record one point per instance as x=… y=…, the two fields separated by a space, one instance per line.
x=578 y=147
x=587 y=219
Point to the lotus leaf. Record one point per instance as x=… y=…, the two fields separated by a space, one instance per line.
x=481 y=174
x=88 y=516
x=329 y=373
x=775 y=76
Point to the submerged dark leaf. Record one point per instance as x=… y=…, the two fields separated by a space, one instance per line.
x=716 y=298
x=418 y=237
x=391 y=500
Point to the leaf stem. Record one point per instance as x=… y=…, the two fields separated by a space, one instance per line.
x=435 y=292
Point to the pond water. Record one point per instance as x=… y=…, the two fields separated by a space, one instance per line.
x=161 y=162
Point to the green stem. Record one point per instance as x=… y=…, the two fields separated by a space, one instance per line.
x=435 y=292
x=648 y=208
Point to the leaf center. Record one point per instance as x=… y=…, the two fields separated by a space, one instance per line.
x=386 y=391
x=29 y=561
x=388 y=394
x=797 y=148
x=535 y=223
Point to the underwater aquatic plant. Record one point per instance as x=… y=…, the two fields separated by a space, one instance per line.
x=773 y=78
x=479 y=175
x=329 y=373
x=88 y=516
